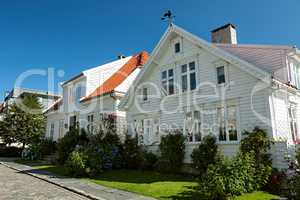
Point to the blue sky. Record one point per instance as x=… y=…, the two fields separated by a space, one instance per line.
x=75 y=35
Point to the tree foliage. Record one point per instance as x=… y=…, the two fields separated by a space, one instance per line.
x=24 y=126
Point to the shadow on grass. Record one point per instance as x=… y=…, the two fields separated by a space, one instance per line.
x=142 y=177
x=189 y=194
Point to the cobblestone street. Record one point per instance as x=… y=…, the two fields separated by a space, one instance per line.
x=17 y=186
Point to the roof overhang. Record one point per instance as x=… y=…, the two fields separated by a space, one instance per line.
x=72 y=79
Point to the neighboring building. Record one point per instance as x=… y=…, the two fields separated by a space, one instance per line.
x=45 y=98
x=222 y=88
x=93 y=95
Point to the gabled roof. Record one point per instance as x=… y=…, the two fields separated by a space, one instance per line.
x=213 y=49
x=270 y=58
x=119 y=76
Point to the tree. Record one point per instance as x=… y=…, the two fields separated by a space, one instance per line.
x=24 y=122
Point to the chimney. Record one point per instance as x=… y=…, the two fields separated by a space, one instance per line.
x=121 y=56
x=224 y=34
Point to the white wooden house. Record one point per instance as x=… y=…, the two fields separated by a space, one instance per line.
x=93 y=95
x=219 y=87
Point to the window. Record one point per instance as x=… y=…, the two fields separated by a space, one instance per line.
x=188 y=77
x=293 y=122
x=145 y=94
x=80 y=92
x=139 y=130
x=221 y=75
x=51 y=130
x=148 y=129
x=72 y=122
x=192 y=126
x=90 y=126
x=177 y=47
x=232 y=129
x=227 y=123
x=61 y=128
x=167 y=81
x=295 y=73
x=221 y=122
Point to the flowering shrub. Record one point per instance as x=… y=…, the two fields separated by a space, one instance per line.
x=228 y=178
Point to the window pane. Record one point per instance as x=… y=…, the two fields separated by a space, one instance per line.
x=232 y=123
x=171 y=86
x=221 y=122
x=164 y=75
x=164 y=85
x=192 y=66
x=184 y=83
x=193 y=81
x=170 y=73
x=145 y=94
x=221 y=75
x=177 y=47
x=183 y=68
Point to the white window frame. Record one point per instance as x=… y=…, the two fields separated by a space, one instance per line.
x=167 y=79
x=295 y=74
x=196 y=125
x=294 y=129
x=226 y=123
x=217 y=77
x=90 y=125
x=188 y=73
x=61 y=128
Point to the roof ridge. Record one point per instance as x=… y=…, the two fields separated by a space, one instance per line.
x=260 y=46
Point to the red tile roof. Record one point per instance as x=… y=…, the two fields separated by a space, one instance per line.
x=118 y=77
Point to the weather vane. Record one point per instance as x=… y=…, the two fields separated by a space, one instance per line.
x=168 y=16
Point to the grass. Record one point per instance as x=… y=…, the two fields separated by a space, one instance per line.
x=149 y=183
x=257 y=196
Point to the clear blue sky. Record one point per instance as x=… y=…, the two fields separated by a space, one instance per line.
x=75 y=35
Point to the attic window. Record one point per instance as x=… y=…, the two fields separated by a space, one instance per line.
x=177 y=47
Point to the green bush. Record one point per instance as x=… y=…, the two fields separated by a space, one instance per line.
x=67 y=144
x=297 y=178
x=206 y=154
x=149 y=161
x=228 y=178
x=258 y=142
x=47 y=147
x=172 y=150
x=132 y=153
x=76 y=164
x=10 y=152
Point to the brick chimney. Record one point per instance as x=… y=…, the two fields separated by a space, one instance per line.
x=224 y=34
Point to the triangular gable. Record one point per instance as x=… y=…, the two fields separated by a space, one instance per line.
x=118 y=77
x=210 y=47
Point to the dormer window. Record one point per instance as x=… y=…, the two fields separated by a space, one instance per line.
x=177 y=47
x=221 y=75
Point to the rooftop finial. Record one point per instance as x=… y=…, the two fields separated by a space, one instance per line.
x=168 y=16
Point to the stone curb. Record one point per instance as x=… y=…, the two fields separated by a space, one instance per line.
x=71 y=189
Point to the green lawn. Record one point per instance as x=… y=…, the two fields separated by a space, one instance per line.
x=257 y=196
x=151 y=184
